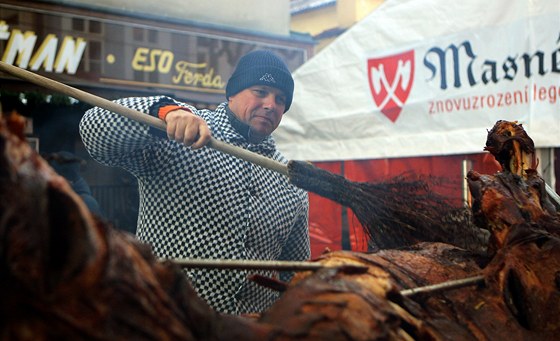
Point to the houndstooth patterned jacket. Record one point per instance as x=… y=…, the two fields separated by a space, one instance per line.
x=203 y=203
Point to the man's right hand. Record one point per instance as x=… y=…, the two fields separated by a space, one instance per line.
x=185 y=127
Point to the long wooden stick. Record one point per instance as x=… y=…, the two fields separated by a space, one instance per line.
x=137 y=116
x=194 y=263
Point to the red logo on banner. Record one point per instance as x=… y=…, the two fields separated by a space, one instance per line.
x=390 y=81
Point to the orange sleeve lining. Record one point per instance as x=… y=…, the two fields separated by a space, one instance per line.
x=163 y=111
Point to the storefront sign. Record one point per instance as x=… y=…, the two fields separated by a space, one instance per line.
x=82 y=50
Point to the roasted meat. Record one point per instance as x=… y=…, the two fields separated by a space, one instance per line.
x=518 y=299
x=66 y=275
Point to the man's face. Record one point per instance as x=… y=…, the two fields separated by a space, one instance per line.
x=259 y=106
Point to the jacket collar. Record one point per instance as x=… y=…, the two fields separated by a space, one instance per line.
x=237 y=132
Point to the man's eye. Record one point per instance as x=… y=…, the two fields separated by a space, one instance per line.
x=280 y=100
x=260 y=92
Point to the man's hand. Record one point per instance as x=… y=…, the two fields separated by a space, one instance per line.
x=185 y=127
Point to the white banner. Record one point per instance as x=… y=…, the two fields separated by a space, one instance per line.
x=428 y=77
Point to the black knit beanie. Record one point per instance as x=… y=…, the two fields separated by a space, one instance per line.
x=261 y=68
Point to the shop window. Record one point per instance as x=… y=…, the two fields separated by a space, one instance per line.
x=95 y=27
x=138 y=76
x=153 y=77
x=138 y=34
x=95 y=67
x=94 y=51
x=152 y=36
x=78 y=24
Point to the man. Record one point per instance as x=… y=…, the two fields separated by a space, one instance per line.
x=200 y=203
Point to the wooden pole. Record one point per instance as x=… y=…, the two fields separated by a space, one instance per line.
x=137 y=116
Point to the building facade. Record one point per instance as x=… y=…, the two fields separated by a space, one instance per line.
x=123 y=49
x=325 y=20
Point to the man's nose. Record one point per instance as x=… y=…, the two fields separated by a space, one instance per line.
x=269 y=102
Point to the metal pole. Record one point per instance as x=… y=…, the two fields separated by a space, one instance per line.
x=232 y=264
x=194 y=263
x=448 y=285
